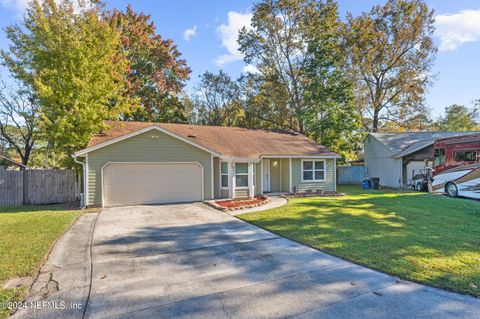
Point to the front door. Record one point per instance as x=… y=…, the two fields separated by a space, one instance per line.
x=266 y=175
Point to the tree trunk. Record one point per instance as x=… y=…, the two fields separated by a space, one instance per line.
x=375 y=121
x=301 y=127
x=26 y=156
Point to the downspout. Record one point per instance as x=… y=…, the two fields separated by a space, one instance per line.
x=83 y=202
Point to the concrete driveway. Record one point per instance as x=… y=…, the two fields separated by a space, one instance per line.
x=191 y=261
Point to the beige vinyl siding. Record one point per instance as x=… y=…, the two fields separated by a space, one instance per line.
x=243 y=192
x=216 y=177
x=145 y=148
x=327 y=185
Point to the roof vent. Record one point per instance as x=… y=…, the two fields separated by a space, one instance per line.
x=191 y=133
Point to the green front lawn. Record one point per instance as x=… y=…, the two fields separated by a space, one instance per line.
x=26 y=235
x=421 y=237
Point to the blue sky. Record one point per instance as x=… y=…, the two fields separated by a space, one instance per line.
x=205 y=33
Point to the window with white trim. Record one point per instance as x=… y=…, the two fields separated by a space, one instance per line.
x=241 y=174
x=224 y=174
x=313 y=171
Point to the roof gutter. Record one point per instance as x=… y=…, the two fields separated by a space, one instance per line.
x=299 y=156
x=258 y=159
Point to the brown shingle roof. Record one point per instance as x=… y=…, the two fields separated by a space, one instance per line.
x=230 y=141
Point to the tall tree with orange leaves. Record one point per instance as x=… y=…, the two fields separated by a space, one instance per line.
x=157 y=73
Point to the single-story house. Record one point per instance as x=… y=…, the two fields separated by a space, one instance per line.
x=7 y=162
x=396 y=157
x=145 y=163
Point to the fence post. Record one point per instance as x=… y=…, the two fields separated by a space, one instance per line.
x=24 y=186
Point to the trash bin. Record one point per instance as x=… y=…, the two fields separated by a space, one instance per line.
x=366 y=184
x=375 y=182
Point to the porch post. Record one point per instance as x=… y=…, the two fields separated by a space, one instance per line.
x=334 y=174
x=231 y=179
x=290 y=175
x=261 y=176
x=250 y=180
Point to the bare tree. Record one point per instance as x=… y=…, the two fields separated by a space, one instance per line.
x=18 y=119
x=217 y=100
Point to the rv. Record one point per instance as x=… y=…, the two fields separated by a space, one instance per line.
x=456 y=166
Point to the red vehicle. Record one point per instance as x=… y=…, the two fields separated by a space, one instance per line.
x=456 y=166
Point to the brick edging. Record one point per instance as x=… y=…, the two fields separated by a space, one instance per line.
x=213 y=203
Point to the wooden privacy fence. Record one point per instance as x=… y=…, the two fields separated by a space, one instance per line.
x=38 y=186
x=351 y=174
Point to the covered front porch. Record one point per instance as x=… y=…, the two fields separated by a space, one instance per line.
x=246 y=178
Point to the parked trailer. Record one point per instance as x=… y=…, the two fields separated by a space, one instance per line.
x=456 y=166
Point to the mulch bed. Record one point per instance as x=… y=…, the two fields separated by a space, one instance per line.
x=239 y=203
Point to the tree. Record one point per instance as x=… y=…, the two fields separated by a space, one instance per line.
x=459 y=118
x=71 y=59
x=275 y=46
x=331 y=115
x=391 y=55
x=156 y=72
x=218 y=101
x=18 y=120
x=302 y=85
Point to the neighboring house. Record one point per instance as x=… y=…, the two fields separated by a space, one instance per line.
x=8 y=162
x=395 y=157
x=143 y=163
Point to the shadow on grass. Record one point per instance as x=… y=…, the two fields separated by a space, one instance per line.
x=424 y=238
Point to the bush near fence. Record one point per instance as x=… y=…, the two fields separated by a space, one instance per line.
x=38 y=186
x=351 y=174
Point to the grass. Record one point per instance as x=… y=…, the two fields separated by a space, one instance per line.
x=26 y=235
x=431 y=239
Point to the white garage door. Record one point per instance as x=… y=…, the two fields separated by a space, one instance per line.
x=151 y=183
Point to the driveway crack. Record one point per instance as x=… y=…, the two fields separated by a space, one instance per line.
x=91 y=267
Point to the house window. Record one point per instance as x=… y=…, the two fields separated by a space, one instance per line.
x=465 y=156
x=439 y=157
x=224 y=174
x=313 y=171
x=241 y=175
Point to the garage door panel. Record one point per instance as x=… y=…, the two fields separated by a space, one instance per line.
x=151 y=183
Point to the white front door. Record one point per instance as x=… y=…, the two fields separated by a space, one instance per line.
x=266 y=175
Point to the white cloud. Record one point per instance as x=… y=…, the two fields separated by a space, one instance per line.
x=189 y=33
x=457 y=29
x=229 y=34
x=17 y=5
x=250 y=68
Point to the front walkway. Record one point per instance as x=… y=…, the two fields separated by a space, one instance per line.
x=191 y=261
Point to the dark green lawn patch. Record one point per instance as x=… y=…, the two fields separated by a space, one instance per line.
x=421 y=237
x=26 y=235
